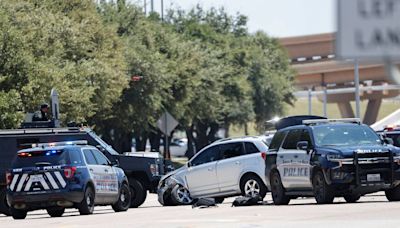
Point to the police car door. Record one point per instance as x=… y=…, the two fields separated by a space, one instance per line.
x=109 y=181
x=302 y=161
x=288 y=160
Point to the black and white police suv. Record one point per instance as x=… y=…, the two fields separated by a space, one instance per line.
x=331 y=158
x=61 y=175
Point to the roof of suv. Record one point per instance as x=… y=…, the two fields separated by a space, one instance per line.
x=239 y=139
x=51 y=148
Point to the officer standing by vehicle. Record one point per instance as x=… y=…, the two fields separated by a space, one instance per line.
x=41 y=115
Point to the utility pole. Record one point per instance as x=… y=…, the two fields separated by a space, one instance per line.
x=145 y=7
x=162 y=10
x=151 y=6
x=357 y=85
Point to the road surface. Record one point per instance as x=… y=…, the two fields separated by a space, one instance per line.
x=371 y=211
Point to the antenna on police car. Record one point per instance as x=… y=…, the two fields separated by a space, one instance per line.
x=55 y=107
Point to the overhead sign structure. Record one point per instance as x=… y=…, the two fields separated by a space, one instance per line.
x=368 y=29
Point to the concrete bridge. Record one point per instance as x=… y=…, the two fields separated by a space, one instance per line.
x=319 y=73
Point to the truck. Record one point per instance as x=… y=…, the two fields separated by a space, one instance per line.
x=143 y=170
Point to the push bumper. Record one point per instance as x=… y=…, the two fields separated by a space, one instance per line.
x=361 y=174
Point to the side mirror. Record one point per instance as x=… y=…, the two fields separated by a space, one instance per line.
x=302 y=145
x=388 y=140
x=115 y=163
x=188 y=164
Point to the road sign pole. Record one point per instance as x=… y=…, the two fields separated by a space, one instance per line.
x=357 y=87
x=166 y=154
x=309 y=101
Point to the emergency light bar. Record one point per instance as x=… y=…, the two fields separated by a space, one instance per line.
x=321 y=121
x=66 y=143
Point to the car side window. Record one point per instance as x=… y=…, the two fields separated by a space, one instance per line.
x=276 y=141
x=305 y=136
x=209 y=155
x=231 y=150
x=101 y=159
x=251 y=148
x=89 y=157
x=291 y=139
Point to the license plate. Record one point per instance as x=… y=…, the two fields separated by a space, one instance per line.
x=37 y=178
x=373 y=177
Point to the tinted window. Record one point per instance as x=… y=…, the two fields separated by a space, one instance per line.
x=89 y=157
x=45 y=157
x=231 y=150
x=291 y=139
x=101 y=159
x=75 y=157
x=277 y=141
x=250 y=148
x=305 y=136
x=209 y=155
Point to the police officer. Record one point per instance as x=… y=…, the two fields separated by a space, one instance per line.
x=41 y=115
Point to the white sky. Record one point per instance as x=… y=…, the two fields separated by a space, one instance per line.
x=279 y=18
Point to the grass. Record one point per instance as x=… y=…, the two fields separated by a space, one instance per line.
x=301 y=108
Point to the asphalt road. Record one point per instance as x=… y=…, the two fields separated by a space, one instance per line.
x=371 y=211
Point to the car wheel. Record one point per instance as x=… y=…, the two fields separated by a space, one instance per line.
x=86 y=207
x=55 y=211
x=322 y=191
x=393 y=194
x=278 y=191
x=181 y=196
x=124 y=199
x=252 y=186
x=219 y=200
x=4 y=208
x=352 y=198
x=18 y=214
x=138 y=193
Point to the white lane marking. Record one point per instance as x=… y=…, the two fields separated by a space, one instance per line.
x=60 y=179
x=21 y=182
x=52 y=181
x=14 y=181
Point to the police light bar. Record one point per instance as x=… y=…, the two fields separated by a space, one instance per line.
x=320 y=121
x=66 y=143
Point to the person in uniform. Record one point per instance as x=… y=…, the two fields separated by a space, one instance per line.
x=41 y=115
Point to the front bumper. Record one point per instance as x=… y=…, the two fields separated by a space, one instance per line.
x=355 y=172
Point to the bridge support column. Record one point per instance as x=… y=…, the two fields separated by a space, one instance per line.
x=371 y=114
x=345 y=109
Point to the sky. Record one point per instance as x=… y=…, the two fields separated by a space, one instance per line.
x=278 y=18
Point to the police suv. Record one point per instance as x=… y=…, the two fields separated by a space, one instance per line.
x=61 y=175
x=331 y=158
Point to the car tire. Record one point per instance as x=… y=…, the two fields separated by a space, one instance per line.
x=180 y=195
x=124 y=199
x=278 y=191
x=55 y=211
x=4 y=208
x=250 y=185
x=138 y=193
x=352 y=198
x=219 y=200
x=86 y=207
x=393 y=194
x=18 y=214
x=323 y=192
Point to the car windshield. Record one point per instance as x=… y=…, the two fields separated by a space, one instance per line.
x=344 y=135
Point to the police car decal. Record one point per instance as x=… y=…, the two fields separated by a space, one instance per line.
x=35 y=182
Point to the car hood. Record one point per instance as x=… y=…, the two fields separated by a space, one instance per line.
x=348 y=151
x=177 y=171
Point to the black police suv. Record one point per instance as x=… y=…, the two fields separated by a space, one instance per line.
x=331 y=158
x=65 y=175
